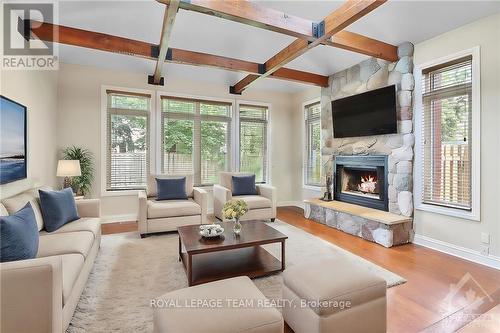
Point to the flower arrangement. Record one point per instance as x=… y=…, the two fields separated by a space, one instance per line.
x=234 y=209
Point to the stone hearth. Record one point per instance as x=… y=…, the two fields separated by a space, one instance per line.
x=377 y=226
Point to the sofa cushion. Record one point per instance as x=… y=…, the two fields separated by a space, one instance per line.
x=244 y=185
x=15 y=203
x=65 y=243
x=255 y=201
x=58 y=208
x=172 y=208
x=152 y=191
x=83 y=224
x=71 y=267
x=224 y=319
x=18 y=235
x=171 y=188
x=3 y=210
x=334 y=279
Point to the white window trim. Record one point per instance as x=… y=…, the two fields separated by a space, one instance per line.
x=104 y=137
x=304 y=149
x=268 y=133
x=475 y=213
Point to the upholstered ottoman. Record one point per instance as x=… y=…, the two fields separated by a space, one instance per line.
x=333 y=295
x=225 y=306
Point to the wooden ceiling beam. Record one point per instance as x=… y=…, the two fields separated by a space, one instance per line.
x=168 y=23
x=250 y=13
x=109 y=43
x=361 y=44
x=348 y=13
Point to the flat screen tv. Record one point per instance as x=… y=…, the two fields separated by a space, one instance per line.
x=369 y=113
x=12 y=141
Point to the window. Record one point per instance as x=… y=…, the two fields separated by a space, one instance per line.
x=196 y=138
x=312 y=162
x=253 y=140
x=127 y=160
x=448 y=147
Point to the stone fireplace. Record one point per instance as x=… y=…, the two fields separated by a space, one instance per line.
x=362 y=180
x=373 y=185
x=398 y=148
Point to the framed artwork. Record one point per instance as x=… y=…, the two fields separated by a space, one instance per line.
x=13 y=125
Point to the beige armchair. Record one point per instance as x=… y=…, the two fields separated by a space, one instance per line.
x=167 y=215
x=261 y=206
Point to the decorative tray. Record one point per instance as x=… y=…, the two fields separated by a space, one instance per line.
x=211 y=230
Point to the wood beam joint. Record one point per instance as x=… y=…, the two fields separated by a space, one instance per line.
x=318 y=29
x=262 y=68
x=151 y=80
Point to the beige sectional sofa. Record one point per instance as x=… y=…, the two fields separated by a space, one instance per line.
x=41 y=294
x=168 y=215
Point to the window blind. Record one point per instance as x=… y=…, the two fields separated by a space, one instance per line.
x=312 y=162
x=127 y=141
x=253 y=140
x=446 y=134
x=196 y=138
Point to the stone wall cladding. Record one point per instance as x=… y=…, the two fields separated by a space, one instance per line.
x=368 y=75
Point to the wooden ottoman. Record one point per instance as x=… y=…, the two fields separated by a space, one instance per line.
x=333 y=295
x=225 y=306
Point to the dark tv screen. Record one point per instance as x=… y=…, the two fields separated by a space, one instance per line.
x=369 y=113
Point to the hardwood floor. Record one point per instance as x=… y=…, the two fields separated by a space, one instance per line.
x=419 y=303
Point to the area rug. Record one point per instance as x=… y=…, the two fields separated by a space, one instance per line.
x=130 y=271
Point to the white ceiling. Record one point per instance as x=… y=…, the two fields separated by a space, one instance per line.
x=393 y=22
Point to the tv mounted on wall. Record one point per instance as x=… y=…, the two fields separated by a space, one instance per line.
x=12 y=141
x=369 y=113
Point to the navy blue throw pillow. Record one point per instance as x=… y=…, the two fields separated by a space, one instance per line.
x=19 y=235
x=58 y=208
x=171 y=188
x=244 y=185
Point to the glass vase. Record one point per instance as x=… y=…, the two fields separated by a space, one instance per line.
x=237 y=226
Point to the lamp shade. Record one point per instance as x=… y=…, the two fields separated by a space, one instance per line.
x=68 y=168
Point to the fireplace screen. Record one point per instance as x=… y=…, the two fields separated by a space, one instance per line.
x=360 y=182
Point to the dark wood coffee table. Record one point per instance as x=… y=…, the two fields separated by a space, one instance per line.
x=211 y=259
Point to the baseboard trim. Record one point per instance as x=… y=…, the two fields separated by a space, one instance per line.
x=118 y=218
x=299 y=204
x=458 y=251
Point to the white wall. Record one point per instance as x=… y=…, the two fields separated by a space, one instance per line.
x=298 y=123
x=37 y=90
x=462 y=234
x=79 y=122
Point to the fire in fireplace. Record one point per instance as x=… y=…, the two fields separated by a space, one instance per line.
x=362 y=180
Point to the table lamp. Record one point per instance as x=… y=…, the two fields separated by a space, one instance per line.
x=68 y=169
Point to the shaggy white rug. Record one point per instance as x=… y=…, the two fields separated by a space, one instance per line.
x=130 y=271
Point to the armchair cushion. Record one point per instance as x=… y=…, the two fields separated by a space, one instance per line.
x=19 y=235
x=226 y=178
x=255 y=201
x=151 y=189
x=172 y=208
x=171 y=188
x=244 y=185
